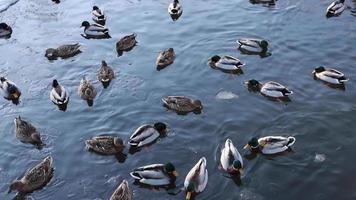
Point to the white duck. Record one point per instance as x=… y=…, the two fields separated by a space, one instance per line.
x=335 y=8
x=270 y=89
x=155 y=174
x=226 y=63
x=330 y=75
x=95 y=31
x=253 y=46
x=175 y=10
x=98 y=15
x=231 y=160
x=270 y=144
x=58 y=94
x=147 y=134
x=197 y=179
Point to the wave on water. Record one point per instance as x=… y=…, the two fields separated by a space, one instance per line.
x=5 y=4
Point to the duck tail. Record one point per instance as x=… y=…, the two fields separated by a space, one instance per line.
x=291 y=141
x=108 y=35
x=343 y=79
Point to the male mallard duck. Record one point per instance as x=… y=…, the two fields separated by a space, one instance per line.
x=155 y=174
x=35 y=178
x=122 y=192
x=107 y=145
x=26 y=132
x=87 y=91
x=269 y=2
x=126 y=43
x=269 y=89
x=147 y=134
x=5 y=30
x=197 y=178
x=105 y=74
x=329 y=75
x=227 y=64
x=98 y=15
x=175 y=10
x=64 y=51
x=182 y=104
x=165 y=58
x=95 y=31
x=270 y=144
x=58 y=94
x=9 y=88
x=335 y=8
x=231 y=160
x=252 y=46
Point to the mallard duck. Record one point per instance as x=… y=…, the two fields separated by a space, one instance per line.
x=95 y=31
x=5 y=30
x=35 y=178
x=155 y=174
x=197 y=179
x=269 y=89
x=107 y=145
x=231 y=160
x=126 y=43
x=175 y=10
x=270 y=144
x=105 y=74
x=146 y=134
x=58 y=94
x=269 y=2
x=26 y=132
x=227 y=64
x=56 y=1
x=335 y=8
x=87 y=91
x=98 y=15
x=329 y=75
x=63 y=51
x=252 y=46
x=165 y=58
x=122 y=192
x=182 y=104
x=9 y=88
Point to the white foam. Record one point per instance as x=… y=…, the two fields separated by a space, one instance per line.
x=225 y=95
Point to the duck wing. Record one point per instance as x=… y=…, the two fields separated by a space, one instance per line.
x=199 y=175
x=97 y=28
x=252 y=42
x=40 y=174
x=143 y=135
x=276 y=144
x=68 y=49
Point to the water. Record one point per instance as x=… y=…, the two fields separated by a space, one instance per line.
x=321 y=118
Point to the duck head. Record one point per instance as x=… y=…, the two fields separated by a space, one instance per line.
x=169 y=167
x=253 y=84
x=51 y=53
x=215 y=58
x=55 y=83
x=95 y=8
x=16 y=185
x=2 y=79
x=264 y=45
x=252 y=144
x=85 y=24
x=319 y=69
x=5 y=26
x=13 y=91
x=160 y=127
x=190 y=190
x=118 y=142
x=237 y=167
x=198 y=105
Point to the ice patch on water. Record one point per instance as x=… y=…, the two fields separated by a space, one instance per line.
x=5 y=4
x=225 y=95
x=319 y=158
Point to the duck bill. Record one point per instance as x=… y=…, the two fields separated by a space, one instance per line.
x=189 y=195
x=15 y=95
x=247 y=146
x=175 y=173
x=241 y=171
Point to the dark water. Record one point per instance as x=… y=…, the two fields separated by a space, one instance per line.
x=321 y=118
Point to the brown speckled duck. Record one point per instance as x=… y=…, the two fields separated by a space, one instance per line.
x=107 y=145
x=122 y=192
x=182 y=104
x=26 y=132
x=87 y=91
x=105 y=74
x=165 y=58
x=126 y=43
x=63 y=51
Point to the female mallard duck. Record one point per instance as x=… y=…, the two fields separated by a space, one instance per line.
x=231 y=160
x=26 y=132
x=58 y=94
x=165 y=58
x=146 y=134
x=329 y=75
x=105 y=74
x=182 y=104
x=87 y=91
x=107 y=145
x=175 y=10
x=63 y=51
x=270 y=144
x=269 y=89
x=197 y=179
x=9 y=88
x=126 y=43
x=122 y=192
x=226 y=64
x=35 y=178
x=5 y=30
x=98 y=15
x=95 y=31
x=253 y=46
x=335 y=8
x=155 y=174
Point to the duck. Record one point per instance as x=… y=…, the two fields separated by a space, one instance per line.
x=252 y=46
x=175 y=10
x=26 y=132
x=182 y=104
x=126 y=43
x=269 y=89
x=226 y=64
x=58 y=94
x=105 y=74
x=95 y=31
x=155 y=174
x=270 y=144
x=5 y=30
x=87 y=91
x=98 y=15
x=331 y=76
x=230 y=159
x=106 y=145
x=147 y=134
x=165 y=58
x=122 y=192
x=269 y=2
x=10 y=89
x=197 y=179
x=63 y=51
x=35 y=178
x=56 y=1
x=335 y=8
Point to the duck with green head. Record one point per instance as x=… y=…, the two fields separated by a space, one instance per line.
x=95 y=31
x=269 y=89
x=270 y=144
x=227 y=64
x=5 y=31
x=175 y=10
x=335 y=8
x=253 y=46
x=230 y=159
x=147 y=134
x=197 y=179
x=329 y=75
x=155 y=174
x=9 y=89
x=98 y=15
